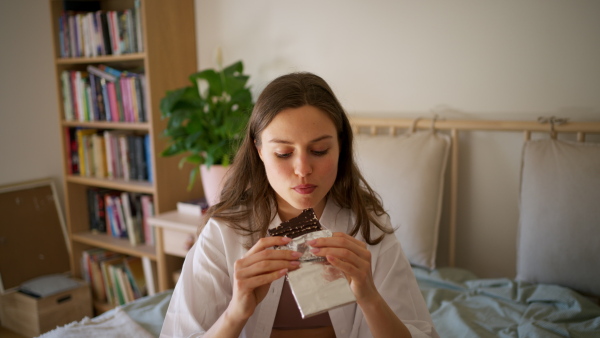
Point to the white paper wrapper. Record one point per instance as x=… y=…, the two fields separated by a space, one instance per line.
x=317 y=285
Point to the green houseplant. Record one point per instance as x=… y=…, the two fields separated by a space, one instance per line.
x=206 y=119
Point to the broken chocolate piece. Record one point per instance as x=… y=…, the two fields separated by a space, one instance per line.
x=305 y=222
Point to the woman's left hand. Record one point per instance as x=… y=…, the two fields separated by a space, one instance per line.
x=353 y=258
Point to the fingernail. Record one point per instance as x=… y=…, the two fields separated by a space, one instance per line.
x=312 y=242
x=296 y=254
x=283 y=271
x=286 y=239
x=315 y=250
x=295 y=263
x=331 y=258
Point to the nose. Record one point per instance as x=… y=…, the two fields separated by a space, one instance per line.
x=302 y=165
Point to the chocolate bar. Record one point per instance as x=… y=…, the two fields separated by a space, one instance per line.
x=305 y=222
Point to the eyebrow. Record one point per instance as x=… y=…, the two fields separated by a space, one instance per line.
x=320 y=138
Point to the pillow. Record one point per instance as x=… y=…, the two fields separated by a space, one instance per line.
x=407 y=171
x=559 y=221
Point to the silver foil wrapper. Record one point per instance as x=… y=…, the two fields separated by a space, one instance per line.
x=317 y=285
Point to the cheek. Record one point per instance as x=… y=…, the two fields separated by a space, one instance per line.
x=329 y=169
x=276 y=169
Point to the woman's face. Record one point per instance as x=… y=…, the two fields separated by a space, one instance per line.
x=300 y=151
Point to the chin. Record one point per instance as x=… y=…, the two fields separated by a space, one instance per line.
x=305 y=203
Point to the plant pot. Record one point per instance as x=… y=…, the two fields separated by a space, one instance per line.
x=212 y=182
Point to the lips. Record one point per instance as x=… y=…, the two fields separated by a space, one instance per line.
x=304 y=189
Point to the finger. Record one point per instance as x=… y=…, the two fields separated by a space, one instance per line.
x=267 y=242
x=344 y=255
x=352 y=273
x=345 y=267
x=256 y=281
x=342 y=241
x=270 y=254
x=350 y=238
x=266 y=267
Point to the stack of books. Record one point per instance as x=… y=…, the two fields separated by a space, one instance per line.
x=117 y=279
x=113 y=154
x=86 y=31
x=103 y=93
x=121 y=214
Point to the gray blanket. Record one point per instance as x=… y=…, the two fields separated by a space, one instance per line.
x=461 y=305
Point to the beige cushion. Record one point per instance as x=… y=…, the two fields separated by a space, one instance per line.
x=559 y=223
x=408 y=172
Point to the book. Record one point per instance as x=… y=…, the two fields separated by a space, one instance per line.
x=113 y=276
x=121 y=223
x=110 y=290
x=105 y=33
x=99 y=32
x=99 y=155
x=147 y=211
x=124 y=283
x=124 y=152
x=93 y=258
x=96 y=210
x=81 y=148
x=131 y=156
x=66 y=93
x=88 y=155
x=113 y=228
x=148 y=157
x=138 y=26
x=149 y=275
x=72 y=151
x=110 y=164
x=140 y=158
x=129 y=214
x=195 y=207
x=135 y=272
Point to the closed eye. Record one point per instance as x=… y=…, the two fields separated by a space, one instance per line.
x=286 y=155
x=321 y=152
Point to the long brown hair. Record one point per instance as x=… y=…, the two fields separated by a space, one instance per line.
x=247 y=201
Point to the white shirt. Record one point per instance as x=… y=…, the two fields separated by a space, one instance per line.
x=205 y=285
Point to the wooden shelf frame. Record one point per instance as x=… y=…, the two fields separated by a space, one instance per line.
x=169 y=57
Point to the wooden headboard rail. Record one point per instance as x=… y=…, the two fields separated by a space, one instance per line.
x=391 y=126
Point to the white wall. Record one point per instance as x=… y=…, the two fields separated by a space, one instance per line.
x=390 y=56
x=513 y=59
x=29 y=139
x=509 y=59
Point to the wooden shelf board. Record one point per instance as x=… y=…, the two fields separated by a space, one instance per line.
x=120 y=245
x=131 y=186
x=101 y=59
x=108 y=125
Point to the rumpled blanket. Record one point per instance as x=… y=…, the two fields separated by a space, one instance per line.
x=461 y=305
x=141 y=318
x=117 y=325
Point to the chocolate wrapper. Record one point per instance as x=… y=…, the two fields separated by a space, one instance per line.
x=317 y=285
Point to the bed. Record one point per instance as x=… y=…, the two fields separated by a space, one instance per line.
x=414 y=166
x=557 y=243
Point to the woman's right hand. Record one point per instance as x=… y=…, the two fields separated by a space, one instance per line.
x=254 y=273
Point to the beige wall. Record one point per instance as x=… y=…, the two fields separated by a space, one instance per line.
x=469 y=59
x=29 y=139
x=510 y=59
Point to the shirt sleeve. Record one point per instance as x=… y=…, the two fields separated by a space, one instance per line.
x=395 y=281
x=204 y=288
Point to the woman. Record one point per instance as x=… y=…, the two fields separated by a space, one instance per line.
x=296 y=154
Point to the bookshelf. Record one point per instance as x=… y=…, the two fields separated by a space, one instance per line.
x=166 y=60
